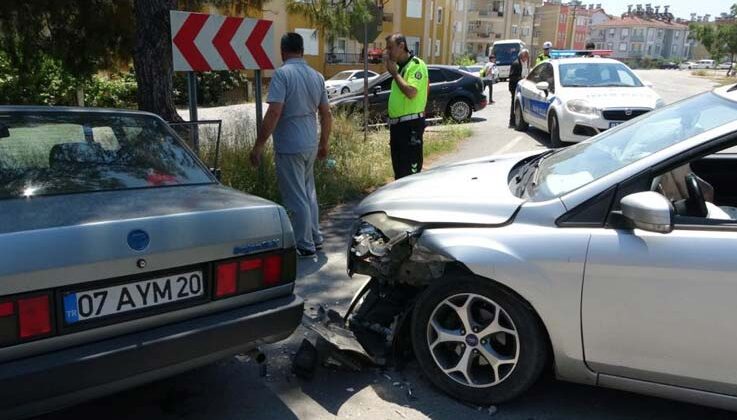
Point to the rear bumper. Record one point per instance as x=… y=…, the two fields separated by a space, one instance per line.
x=54 y=380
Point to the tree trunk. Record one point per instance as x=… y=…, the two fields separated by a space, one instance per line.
x=152 y=57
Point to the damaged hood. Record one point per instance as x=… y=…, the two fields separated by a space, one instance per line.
x=472 y=192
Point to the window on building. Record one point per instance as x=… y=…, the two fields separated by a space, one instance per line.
x=678 y=34
x=611 y=32
x=437 y=48
x=514 y=29
x=517 y=9
x=311 y=40
x=610 y=45
x=440 y=15
x=414 y=9
x=624 y=33
x=562 y=18
x=459 y=7
x=622 y=46
x=660 y=33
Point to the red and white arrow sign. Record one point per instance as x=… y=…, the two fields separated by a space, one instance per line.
x=202 y=42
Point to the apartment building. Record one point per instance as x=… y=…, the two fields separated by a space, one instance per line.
x=566 y=25
x=478 y=23
x=426 y=24
x=643 y=32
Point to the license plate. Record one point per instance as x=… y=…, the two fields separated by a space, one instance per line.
x=91 y=304
x=614 y=123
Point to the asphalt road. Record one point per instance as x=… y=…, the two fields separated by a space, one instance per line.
x=233 y=389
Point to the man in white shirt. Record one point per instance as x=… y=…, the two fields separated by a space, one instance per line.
x=490 y=75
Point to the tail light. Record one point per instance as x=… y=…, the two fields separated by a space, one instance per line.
x=34 y=316
x=24 y=318
x=248 y=274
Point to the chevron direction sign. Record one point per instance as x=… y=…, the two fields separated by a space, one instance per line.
x=202 y=42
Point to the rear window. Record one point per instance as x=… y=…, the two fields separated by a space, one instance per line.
x=60 y=153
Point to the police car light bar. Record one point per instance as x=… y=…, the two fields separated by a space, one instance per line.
x=579 y=53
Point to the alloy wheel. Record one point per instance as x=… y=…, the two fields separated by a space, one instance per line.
x=473 y=340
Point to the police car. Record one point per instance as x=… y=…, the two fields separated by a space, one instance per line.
x=579 y=97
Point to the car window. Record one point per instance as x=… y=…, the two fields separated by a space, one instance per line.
x=343 y=75
x=546 y=75
x=372 y=74
x=534 y=75
x=358 y=75
x=58 y=153
x=582 y=163
x=451 y=75
x=436 y=76
x=597 y=75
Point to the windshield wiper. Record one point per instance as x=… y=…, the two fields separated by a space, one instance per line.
x=531 y=168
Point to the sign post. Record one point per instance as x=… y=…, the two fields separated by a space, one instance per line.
x=370 y=29
x=202 y=42
x=194 y=132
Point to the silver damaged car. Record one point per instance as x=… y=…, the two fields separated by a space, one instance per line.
x=613 y=260
x=124 y=260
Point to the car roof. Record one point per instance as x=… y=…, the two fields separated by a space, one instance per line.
x=585 y=60
x=728 y=92
x=72 y=109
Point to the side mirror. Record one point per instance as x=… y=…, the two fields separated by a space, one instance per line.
x=647 y=83
x=648 y=211
x=544 y=86
x=376 y=90
x=217 y=172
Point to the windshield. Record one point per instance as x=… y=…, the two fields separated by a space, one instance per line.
x=472 y=69
x=64 y=152
x=343 y=75
x=506 y=53
x=597 y=75
x=582 y=163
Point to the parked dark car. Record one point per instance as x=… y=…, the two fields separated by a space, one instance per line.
x=669 y=66
x=453 y=94
x=125 y=260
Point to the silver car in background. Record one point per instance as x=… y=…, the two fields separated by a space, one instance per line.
x=612 y=259
x=124 y=260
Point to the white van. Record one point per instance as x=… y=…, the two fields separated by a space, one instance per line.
x=705 y=64
x=506 y=51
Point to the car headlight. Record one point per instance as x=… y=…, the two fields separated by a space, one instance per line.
x=376 y=233
x=659 y=103
x=580 y=106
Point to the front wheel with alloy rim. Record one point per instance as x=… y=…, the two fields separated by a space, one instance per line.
x=477 y=341
x=519 y=120
x=459 y=110
x=345 y=90
x=554 y=129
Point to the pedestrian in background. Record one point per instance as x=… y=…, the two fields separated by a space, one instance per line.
x=407 y=101
x=296 y=94
x=489 y=76
x=517 y=71
x=545 y=54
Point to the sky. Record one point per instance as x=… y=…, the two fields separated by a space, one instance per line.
x=679 y=8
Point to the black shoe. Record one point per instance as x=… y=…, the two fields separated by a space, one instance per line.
x=318 y=247
x=305 y=253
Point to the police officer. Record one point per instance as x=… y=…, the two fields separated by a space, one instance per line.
x=545 y=55
x=407 y=101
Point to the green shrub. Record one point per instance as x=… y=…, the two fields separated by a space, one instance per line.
x=116 y=91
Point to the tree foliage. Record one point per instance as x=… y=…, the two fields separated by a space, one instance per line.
x=334 y=18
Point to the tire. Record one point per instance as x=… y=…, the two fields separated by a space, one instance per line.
x=554 y=130
x=344 y=90
x=459 y=110
x=483 y=385
x=519 y=120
